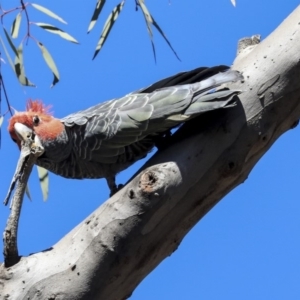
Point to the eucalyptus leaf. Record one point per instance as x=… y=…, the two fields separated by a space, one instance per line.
x=55 y=30
x=48 y=12
x=11 y=44
x=150 y=21
x=147 y=16
x=7 y=55
x=97 y=11
x=165 y=38
x=44 y=181
x=50 y=62
x=19 y=68
x=27 y=191
x=110 y=21
x=16 y=26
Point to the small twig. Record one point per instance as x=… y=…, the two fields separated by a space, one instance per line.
x=25 y=152
x=27 y=19
x=29 y=154
x=21 y=8
x=5 y=94
x=5 y=12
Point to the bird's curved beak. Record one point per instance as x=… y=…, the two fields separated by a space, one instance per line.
x=24 y=133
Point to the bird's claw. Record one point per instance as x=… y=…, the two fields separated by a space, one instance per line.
x=116 y=189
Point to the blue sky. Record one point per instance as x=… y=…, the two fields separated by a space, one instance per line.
x=248 y=246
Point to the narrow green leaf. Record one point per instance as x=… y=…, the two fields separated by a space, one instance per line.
x=44 y=181
x=165 y=38
x=150 y=20
x=48 y=12
x=27 y=191
x=147 y=16
x=1 y=120
x=97 y=11
x=7 y=55
x=55 y=30
x=11 y=44
x=108 y=26
x=19 y=68
x=50 y=62
x=16 y=26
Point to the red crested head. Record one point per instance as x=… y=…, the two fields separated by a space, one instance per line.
x=37 y=118
x=37 y=106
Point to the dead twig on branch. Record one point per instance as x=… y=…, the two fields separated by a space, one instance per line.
x=28 y=156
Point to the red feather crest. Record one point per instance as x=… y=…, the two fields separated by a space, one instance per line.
x=37 y=106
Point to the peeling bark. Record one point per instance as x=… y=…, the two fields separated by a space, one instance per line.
x=109 y=254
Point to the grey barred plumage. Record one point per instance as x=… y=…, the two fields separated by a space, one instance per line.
x=107 y=138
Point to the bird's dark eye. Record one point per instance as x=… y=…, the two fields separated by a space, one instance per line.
x=36 y=120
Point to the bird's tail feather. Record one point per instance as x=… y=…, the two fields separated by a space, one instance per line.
x=212 y=82
x=207 y=99
x=220 y=99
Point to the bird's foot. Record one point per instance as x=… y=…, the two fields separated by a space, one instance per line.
x=116 y=189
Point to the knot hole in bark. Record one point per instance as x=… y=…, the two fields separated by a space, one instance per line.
x=147 y=181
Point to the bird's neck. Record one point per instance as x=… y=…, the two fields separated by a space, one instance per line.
x=57 y=149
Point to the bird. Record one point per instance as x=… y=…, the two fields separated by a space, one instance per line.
x=103 y=140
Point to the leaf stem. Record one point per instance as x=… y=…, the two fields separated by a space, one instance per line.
x=24 y=5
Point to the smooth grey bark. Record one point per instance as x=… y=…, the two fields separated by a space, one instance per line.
x=109 y=254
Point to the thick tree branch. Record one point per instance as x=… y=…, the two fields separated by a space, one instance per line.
x=110 y=253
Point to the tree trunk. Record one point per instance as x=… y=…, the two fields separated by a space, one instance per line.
x=109 y=254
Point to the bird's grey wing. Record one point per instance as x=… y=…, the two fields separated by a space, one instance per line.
x=116 y=130
x=122 y=130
